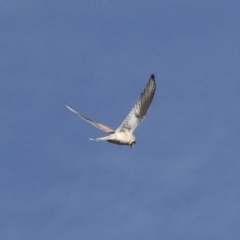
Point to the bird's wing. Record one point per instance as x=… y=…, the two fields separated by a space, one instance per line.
x=98 y=125
x=140 y=108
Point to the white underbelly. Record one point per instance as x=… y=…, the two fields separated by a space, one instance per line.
x=121 y=138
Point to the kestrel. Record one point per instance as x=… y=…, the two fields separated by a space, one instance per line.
x=123 y=135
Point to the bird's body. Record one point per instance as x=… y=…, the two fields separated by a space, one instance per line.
x=123 y=135
x=121 y=138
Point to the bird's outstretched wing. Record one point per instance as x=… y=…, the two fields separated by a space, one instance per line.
x=140 y=108
x=98 y=125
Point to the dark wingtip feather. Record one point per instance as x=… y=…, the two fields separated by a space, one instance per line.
x=152 y=80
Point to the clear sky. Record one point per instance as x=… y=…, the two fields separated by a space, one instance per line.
x=182 y=178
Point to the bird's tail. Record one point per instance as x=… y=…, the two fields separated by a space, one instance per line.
x=102 y=138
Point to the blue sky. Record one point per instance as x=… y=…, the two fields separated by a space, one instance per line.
x=180 y=181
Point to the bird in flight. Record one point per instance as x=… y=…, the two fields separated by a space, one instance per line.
x=123 y=135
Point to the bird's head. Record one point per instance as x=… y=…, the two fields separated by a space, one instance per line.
x=133 y=141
